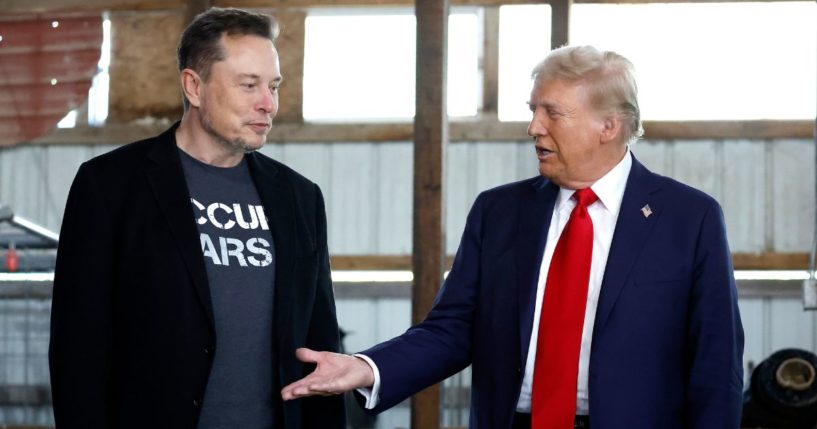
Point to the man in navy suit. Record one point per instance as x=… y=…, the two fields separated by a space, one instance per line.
x=649 y=336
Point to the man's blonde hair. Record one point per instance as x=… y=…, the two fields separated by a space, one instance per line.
x=609 y=76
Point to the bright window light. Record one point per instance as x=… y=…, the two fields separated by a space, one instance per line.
x=524 y=39
x=706 y=61
x=360 y=65
x=69 y=120
x=100 y=87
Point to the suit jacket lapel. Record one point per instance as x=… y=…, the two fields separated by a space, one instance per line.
x=534 y=221
x=167 y=181
x=633 y=229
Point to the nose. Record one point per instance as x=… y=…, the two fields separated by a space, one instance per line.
x=537 y=126
x=268 y=102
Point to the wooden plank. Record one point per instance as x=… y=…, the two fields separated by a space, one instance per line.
x=770 y=261
x=460 y=131
x=290 y=45
x=490 y=63
x=728 y=129
x=741 y=261
x=44 y=6
x=560 y=22
x=430 y=140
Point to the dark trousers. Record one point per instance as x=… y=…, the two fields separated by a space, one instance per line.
x=522 y=421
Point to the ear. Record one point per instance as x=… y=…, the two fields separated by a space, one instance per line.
x=611 y=128
x=191 y=86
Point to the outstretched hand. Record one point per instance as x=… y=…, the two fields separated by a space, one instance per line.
x=335 y=374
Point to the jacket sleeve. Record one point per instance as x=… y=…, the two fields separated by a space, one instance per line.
x=81 y=309
x=715 y=334
x=323 y=334
x=442 y=344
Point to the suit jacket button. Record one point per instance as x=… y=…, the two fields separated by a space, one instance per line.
x=208 y=350
x=196 y=403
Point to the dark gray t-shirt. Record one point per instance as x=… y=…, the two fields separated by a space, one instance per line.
x=240 y=259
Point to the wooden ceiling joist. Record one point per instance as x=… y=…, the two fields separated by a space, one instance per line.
x=43 y=6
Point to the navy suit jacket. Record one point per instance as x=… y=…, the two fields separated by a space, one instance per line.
x=667 y=343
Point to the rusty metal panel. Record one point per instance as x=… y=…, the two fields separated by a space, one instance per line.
x=46 y=66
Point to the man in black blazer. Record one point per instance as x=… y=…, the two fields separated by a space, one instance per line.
x=190 y=267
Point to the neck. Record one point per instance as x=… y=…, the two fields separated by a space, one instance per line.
x=193 y=139
x=611 y=163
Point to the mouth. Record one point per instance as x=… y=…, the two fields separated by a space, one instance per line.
x=542 y=153
x=260 y=127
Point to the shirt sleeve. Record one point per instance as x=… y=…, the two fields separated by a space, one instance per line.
x=371 y=394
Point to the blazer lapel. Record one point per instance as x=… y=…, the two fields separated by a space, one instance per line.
x=281 y=207
x=534 y=222
x=633 y=228
x=167 y=181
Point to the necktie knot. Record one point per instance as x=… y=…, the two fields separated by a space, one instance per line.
x=585 y=197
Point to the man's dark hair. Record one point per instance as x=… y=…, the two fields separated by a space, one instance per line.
x=200 y=45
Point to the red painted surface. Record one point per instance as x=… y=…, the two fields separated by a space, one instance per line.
x=45 y=71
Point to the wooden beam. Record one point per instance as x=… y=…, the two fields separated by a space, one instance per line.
x=560 y=22
x=430 y=139
x=462 y=131
x=766 y=129
x=741 y=261
x=290 y=45
x=490 y=63
x=48 y=6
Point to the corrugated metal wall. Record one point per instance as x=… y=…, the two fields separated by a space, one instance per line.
x=766 y=187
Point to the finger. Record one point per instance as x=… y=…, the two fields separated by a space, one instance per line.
x=307 y=355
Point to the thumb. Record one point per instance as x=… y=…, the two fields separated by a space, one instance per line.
x=307 y=355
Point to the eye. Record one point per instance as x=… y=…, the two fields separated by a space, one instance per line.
x=249 y=85
x=274 y=88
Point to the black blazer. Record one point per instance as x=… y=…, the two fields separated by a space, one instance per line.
x=132 y=333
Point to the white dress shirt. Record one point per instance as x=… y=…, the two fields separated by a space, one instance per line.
x=604 y=213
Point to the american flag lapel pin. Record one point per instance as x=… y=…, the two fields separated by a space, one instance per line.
x=646 y=210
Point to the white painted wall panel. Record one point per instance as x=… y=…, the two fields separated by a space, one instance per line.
x=697 y=164
x=653 y=154
x=394 y=198
x=756 y=345
x=743 y=194
x=765 y=188
x=349 y=206
x=460 y=191
x=792 y=195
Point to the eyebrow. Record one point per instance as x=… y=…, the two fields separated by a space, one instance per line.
x=545 y=104
x=254 y=76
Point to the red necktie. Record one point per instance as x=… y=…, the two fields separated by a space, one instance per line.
x=556 y=369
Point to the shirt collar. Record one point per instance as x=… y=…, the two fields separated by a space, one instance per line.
x=609 y=188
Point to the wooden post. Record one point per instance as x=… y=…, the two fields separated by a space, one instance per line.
x=290 y=45
x=430 y=138
x=490 y=63
x=560 y=22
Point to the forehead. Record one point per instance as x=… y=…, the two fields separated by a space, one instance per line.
x=559 y=92
x=247 y=54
